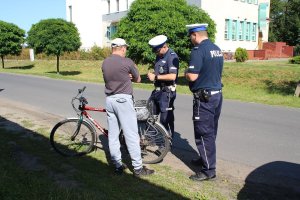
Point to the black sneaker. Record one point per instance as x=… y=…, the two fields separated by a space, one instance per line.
x=196 y=162
x=144 y=171
x=200 y=176
x=119 y=170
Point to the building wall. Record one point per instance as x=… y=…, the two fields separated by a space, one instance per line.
x=96 y=19
x=87 y=16
x=233 y=11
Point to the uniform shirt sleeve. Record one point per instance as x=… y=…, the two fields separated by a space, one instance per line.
x=173 y=64
x=196 y=61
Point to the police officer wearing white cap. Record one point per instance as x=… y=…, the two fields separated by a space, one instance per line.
x=204 y=75
x=165 y=79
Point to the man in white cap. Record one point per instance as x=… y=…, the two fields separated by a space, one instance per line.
x=204 y=75
x=118 y=72
x=165 y=79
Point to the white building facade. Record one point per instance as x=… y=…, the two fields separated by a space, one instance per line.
x=239 y=23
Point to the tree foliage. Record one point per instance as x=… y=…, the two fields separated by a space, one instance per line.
x=148 y=18
x=285 y=21
x=11 y=40
x=54 y=37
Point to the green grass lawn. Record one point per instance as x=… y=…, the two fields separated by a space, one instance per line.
x=31 y=170
x=267 y=82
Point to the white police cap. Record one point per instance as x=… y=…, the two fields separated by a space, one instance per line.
x=196 y=27
x=158 y=41
x=117 y=42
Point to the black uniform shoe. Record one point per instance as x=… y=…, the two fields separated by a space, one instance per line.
x=200 y=176
x=196 y=162
x=119 y=170
x=144 y=171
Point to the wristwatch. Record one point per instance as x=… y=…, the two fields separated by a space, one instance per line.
x=155 y=78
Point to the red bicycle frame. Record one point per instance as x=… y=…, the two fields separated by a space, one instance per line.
x=87 y=115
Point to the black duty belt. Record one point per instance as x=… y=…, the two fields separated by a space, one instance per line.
x=204 y=94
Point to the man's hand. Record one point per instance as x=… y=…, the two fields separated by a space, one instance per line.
x=189 y=76
x=130 y=76
x=151 y=76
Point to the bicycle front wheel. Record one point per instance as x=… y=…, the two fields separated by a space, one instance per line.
x=72 y=137
x=155 y=142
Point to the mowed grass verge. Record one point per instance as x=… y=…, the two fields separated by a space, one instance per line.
x=30 y=169
x=267 y=82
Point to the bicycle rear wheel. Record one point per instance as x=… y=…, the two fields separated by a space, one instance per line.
x=72 y=138
x=155 y=142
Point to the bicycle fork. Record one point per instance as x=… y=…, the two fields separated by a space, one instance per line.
x=77 y=129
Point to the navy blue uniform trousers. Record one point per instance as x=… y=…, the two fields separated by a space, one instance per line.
x=163 y=104
x=206 y=116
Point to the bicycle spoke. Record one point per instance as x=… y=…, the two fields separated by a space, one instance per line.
x=154 y=142
x=70 y=140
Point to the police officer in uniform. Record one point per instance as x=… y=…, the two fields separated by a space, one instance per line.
x=165 y=78
x=204 y=75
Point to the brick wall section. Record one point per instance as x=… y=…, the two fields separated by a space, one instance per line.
x=288 y=51
x=271 y=50
x=256 y=54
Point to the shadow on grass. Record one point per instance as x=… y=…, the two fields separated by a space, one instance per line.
x=66 y=73
x=283 y=88
x=32 y=170
x=184 y=151
x=275 y=180
x=21 y=67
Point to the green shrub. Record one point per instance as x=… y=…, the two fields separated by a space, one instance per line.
x=147 y=18
x=96 y=52
x=295 y=60
x=241 y=55
x=105 y=52
x=297 y=50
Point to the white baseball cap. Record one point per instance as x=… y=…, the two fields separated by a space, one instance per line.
x=117 y=42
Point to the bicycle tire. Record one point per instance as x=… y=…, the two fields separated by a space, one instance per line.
x=83 y=143
x=155 y=142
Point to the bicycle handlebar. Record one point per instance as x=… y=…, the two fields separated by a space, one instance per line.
x=82 y=100
x=81 y=90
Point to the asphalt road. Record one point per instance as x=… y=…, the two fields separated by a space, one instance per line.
x=249 y=133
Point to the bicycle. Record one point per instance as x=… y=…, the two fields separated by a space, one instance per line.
x=76 y=136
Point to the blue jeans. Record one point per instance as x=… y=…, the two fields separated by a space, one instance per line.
x=121 y=115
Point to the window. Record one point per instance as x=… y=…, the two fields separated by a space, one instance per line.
x=234 y=29
x=118 y=5
x=111 y=30
x=248 y=31
x=226 y=32
x=262 y=15
x=249 y=1
x=70 y=12
x=255 y=2
x=241 y=30
x=242 y=0
x=253 y=32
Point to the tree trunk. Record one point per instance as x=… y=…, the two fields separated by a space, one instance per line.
x=57 y=63
x=2 y=58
